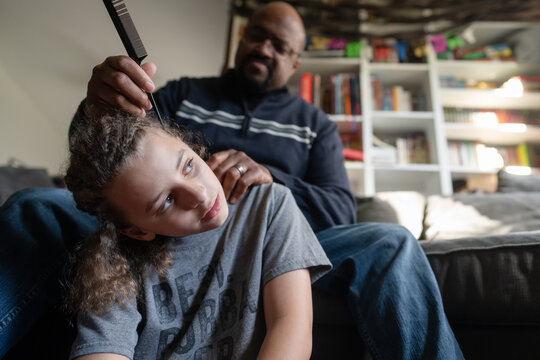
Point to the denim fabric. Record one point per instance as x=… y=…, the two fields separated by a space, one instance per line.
x=381 y=269
x=37 y=226
x=391 y=291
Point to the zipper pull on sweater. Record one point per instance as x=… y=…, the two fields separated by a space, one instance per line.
x=247 y=121
x=246 y=124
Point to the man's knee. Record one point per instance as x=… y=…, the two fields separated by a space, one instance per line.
x=37 y=197
x=44 y=215
x=367 y=240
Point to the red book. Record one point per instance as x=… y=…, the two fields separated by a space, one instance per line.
x=306 y=87
x=351 y=154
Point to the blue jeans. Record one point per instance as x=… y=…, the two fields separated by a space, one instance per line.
x=37 y=227
x=390 y=289
x=380 y=268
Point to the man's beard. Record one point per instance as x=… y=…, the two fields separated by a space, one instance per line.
x=251 y=85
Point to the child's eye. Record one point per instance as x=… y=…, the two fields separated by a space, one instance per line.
x=168 y=202
x=188 y=167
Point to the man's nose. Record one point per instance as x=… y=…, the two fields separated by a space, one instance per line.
x=266 y=47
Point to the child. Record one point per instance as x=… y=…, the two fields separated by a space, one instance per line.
x=174 y=271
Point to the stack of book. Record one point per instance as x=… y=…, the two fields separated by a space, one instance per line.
x=396 y=97
x=477 y=155
x=520 y=155
x=341 y=96
x=471 y=154
x=383 y=152
x=403 y=149
x=352 y=143
x=475 y=116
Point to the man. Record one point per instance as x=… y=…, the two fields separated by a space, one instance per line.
x=259 y=133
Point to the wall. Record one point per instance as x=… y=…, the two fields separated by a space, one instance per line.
x=50 y=47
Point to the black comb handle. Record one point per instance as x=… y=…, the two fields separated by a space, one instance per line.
x=126 y=29
x=130 y=38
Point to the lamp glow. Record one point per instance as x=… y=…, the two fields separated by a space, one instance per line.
x=485 y=119
x=512 y=87
x=512 y=127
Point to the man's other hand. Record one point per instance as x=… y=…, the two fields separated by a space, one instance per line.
x=119 y=83
x=236 y=171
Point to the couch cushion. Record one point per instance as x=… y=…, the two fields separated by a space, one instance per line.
x=399 y=207
x=464 y=215
x=507 y=182
x=489 y=280
x=14 y=178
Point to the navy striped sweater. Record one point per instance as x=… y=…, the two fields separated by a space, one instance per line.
x=295 y=140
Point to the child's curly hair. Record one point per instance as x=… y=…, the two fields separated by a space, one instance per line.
x=109 y=266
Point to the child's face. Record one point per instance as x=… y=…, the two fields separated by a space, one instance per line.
x=167 y=189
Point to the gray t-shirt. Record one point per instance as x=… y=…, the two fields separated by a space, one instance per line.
x=210 y=306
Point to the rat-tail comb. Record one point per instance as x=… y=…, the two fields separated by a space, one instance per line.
x=130 y=38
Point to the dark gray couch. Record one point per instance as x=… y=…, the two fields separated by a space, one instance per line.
x=485 y=252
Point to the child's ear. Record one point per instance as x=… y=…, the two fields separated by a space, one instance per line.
x=138 y=234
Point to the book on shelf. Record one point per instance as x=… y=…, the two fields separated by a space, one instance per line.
x=351 y=138
x=353 y=154
x=411 y=148
x=459 y=82
x=396 y=97
x=340 y=94
x=491 y=116
x=475 y=154
x=355 y=95
x=523 y=155
x=467 y=154
x=533 y=152
x=529 y=83
x=384 y=155
x=345 y=94
x=305 y=88
x=317 y=90
x=336 y=80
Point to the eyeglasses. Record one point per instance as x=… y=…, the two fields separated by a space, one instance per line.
x=254 y=35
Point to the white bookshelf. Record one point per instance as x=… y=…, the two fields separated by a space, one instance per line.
x=488 y=99
x=369 y=177
x=502 y=134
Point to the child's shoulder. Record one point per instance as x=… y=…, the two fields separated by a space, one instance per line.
x=272 y=191
x=263 y=197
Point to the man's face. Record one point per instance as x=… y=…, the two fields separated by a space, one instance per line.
x=268 y=53
x=167 y=189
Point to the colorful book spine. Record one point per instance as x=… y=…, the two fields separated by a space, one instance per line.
x=523 y=155
x=306 y=87
x=338 y=80
x=317 y=90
